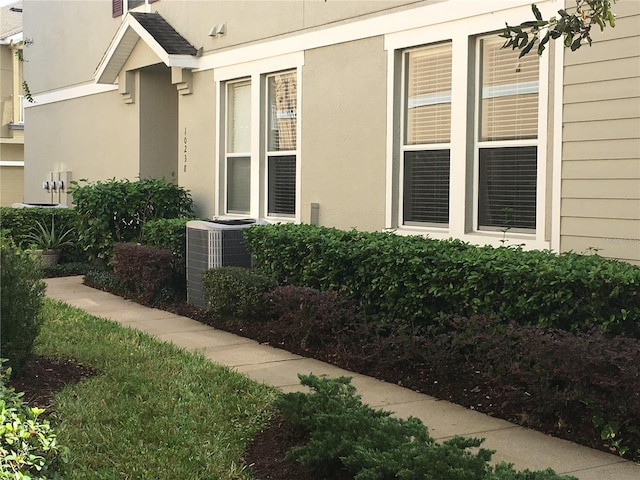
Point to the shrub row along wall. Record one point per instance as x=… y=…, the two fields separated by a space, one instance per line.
x=20 y=221
x=415 y=279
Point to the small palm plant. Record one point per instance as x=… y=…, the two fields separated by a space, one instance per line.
x=46 y=238
x=50 y=241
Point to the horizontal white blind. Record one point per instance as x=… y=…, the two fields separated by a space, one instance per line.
x=239 y=117
x=507 y=197
x=428 y=95
x=426 y=186
x=509 y=106
x=283 y=111
x=282 y=185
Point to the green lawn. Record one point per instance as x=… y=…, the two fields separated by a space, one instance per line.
x=156 y=412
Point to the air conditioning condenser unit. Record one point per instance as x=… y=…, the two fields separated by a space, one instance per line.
x=211 y=244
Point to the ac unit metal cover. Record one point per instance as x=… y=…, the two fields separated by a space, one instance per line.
x=212 y=244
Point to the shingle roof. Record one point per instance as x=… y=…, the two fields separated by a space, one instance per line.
x=10 y=22
x=171 y=41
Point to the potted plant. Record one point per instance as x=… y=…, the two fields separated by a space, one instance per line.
x=47 y=243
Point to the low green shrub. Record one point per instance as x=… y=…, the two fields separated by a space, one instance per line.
x=20 y=222
x=115 y=211
x=144 y=272
x=103 y=279
x=414 y=279
x=235 y=293
x=65 y=269
x=345 y=434
x=20 y=302
x=29 y=448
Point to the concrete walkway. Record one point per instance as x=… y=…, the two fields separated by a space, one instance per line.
x=524 y=448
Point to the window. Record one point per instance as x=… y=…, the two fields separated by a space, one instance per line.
x=258 y=157
x=427 y=135
x=118 y=7
x=282 y=120
x=507 y=137
x=238 y=147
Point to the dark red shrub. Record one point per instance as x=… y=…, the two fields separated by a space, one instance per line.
x=311 y=317
x=145 y=272
x=584 y=382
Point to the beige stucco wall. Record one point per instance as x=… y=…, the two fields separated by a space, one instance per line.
x=80 y=31
x=196 y=135
x=71 y=136
x=343 y=134
x=157 y=102
x=261 y=19
x=11 y=185
x=601 y=147
x=83 y=29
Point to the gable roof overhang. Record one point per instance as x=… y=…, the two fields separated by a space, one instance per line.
x=170 y=47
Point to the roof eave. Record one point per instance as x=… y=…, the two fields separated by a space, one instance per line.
x=122 y=45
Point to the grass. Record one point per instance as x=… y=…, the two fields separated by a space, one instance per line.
x=155 y=411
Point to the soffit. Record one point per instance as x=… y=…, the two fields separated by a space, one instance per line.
x=170 y=47
x=10 y=22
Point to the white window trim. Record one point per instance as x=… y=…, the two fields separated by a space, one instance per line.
x=257 y=71
x=462 y=209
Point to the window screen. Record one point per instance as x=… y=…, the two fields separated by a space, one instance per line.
x=283 y=111
x=509 y=91
x=428 y=100
x=426 y=186
x=238 y=184
x=507 y=193
x=427 y=106
x=238 y=166
x=282 y=185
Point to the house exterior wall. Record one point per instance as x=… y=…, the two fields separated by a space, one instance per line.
x=70 y=136
x=11 y=128
x=158 y=123
x=11 y=185
x=601 y=143
x=344 y=134
x=60 y=28
x=346 y=60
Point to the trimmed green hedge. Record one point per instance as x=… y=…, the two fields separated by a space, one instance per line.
x=415 y=279
x=168 y=233
x=20 y=221
x=115 y=211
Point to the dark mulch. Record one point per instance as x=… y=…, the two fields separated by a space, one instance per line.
x=43 y=376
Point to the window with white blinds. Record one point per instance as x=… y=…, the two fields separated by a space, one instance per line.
x=508 y=178
x=283 y=97
x=509 y=92
x=428 y=99
x=282 y=122
x=238 y=147
x=507 y=134
x=426 y=186
x=427 y=134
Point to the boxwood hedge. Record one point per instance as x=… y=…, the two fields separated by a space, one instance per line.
x=414 y=279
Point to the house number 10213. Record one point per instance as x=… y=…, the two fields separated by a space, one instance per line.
x=185 y=150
